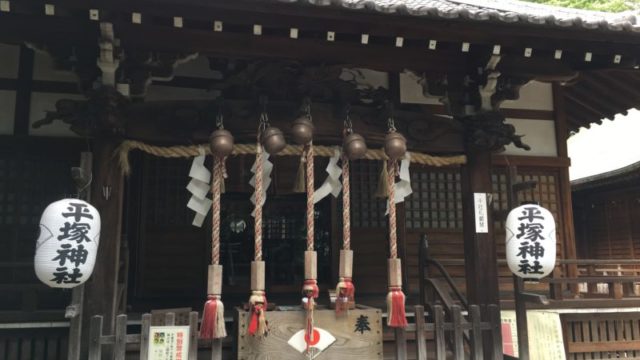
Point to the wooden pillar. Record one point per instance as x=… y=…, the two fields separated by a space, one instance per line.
x=107 y=196
x=481 y=268
x=479 y=246
x=562 y=134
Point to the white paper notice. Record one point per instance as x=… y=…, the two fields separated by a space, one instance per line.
x=169 y=343
x=480 y=210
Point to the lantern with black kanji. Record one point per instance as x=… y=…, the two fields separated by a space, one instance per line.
x=68 y=242
x=531 y=241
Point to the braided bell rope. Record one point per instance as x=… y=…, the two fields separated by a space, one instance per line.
x=187 y=151
x=346 y=205
x=391 y=186
x=258 y=207
x=310 y=190
x=215 y=216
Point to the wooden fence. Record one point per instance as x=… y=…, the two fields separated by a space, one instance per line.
x=120 y=339
x=463 y=336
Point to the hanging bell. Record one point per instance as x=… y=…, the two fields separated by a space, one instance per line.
x=221 y=143
x=302 y=130
x=273 y=140
x=395 y=145
x=354 y=146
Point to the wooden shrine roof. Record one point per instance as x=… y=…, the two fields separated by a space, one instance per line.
x=618 y=177
x=506 y=11
x=600 y=94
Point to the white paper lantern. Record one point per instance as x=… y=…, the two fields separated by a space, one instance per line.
x=68 y=242
x=531 y=241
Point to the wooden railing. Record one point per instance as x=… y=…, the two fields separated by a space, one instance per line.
x=608 y=278
x=121 y=338
x=602 y=335
x=452 y=330
x=34 y=340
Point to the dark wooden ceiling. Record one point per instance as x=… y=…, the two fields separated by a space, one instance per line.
x=600 y=94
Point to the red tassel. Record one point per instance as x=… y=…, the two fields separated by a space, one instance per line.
x=212 y=326
x=310 y=288
x=258 y=322
x=395 y=308
x=345 y=292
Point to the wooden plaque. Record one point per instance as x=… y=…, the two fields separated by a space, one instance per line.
x=358 y=334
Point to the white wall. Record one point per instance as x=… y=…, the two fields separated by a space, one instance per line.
x=9 y=59
x=533 y=96
x=539 y=134
x=7 y=111
x=42 y=102
x=44 y=69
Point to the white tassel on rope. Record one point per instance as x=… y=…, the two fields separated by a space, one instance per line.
x=403 y=186
x=199 y=188
x=332 y=185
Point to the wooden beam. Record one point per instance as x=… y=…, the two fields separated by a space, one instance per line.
x=531 y=161
x=49 y=30
x=246 y=45
x=346 y=21
x=23 y=92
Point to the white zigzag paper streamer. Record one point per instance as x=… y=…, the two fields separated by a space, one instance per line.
x=332 y=185
x=199 y=188
x=267 y=167
x=403 y=187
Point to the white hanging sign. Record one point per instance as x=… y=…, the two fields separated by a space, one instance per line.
x=480 y=212
x=68 y=242
x=531 y=241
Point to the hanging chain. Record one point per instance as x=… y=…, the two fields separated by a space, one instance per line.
x=391 y=124
x=219 y=121
x=307 y=107
x=348 y=125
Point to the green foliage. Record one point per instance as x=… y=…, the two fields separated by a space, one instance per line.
x=599 y=5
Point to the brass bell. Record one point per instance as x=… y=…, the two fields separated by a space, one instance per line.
x=302 y=130
x=354 y=146
x=273 y=140
x=221 y=143
x=395 y=145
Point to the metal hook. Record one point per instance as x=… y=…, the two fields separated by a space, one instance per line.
x=391 y=124
x=264 y=118
x=348 y=125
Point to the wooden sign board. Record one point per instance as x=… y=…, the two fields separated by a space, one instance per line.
x=358 y=334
